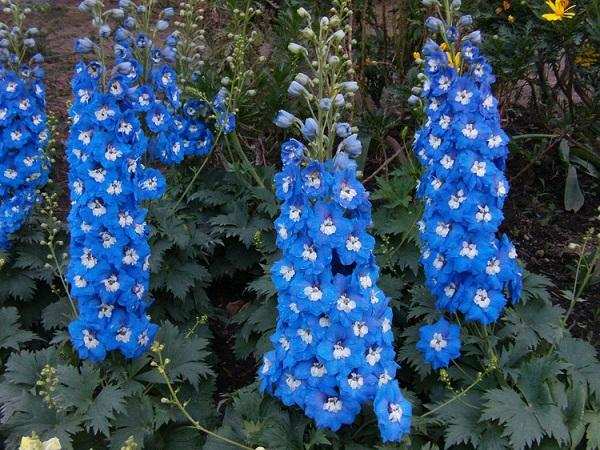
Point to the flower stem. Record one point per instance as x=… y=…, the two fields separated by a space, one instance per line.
x=456 y=397
x=174 y=400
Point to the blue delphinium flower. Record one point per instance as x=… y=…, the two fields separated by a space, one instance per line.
x=23 y=129
x=463 y=150
x=333 y=343
x=439 y=343
x=120 y=115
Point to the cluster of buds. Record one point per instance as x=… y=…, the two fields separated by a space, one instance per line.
x=192 y=40
x=46 y=384
x=326 y=87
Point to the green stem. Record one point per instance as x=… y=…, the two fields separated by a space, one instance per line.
x=233 y=139
x=190 y=184
x=175 y=400
x=60 y=274
x=453 y=399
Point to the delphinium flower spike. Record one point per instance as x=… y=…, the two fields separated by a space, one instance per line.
x=23 y=131
x=463 y=150
x=333 y=344
x=126 y=106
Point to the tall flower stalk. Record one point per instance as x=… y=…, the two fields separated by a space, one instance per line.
x=333 y=345
x=23 y=125
x=463 y=149
x=126 y=108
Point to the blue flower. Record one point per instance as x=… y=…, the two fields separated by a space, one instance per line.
x=439 y=343
x=84 y=45
x=114 y=128
x=24 y=136
x=309 y=129
x=329 y=409
x=292 y=151
x=343 y=130
x=464 y=151
x=352 y=145
x=394 y=412
x=284 y=119
x=226 y=121
x=333 y=345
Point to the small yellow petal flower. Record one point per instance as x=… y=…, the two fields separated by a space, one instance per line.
x=511 y=19
x=560 y=10
x=30 y=443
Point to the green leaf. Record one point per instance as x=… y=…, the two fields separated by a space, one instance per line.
x=529 y=323
x=138 y=421
x=574 y=198
x=77 y=386
x=37 y=417
x=519 y=419
x=11 y=335
x=461 y=422
x=584 y=366
x=574 y=413
x=109 y=401
x=536 y=286
x=187 y=357
x=592 y=434
x=56 y=315
x=24 y=368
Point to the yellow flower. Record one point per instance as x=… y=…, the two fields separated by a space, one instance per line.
x=30 y=443
x=417 y=57
x=511 y=19
x=34 y=443
x=456 y=62
x=560 y=10
x=52 y=444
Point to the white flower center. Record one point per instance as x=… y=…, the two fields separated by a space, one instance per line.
x=360 y=329
x=318 y=370
x=333 y=405
x=478 y=168
x=287 y=273
x=482 y=299
x=447 y=162
x=438 y=343
x=457 y=199
x=463 y=97
x=494 y=141
x=483 y=214
x=341 y=352
x=347 y=193
x=470 y=131
x=355 y=381
x=345 y=303
x=469 y=250
x=313 y=293
x=434 y=141
x=309 y=253
x=353 y=244
x=493 y=267
x=373 y=356
x=442 y=229
x=89 y=340
x=394 y=413
x=328 y=227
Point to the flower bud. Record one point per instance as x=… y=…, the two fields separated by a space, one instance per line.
x=303 y=12
x=296 y=49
